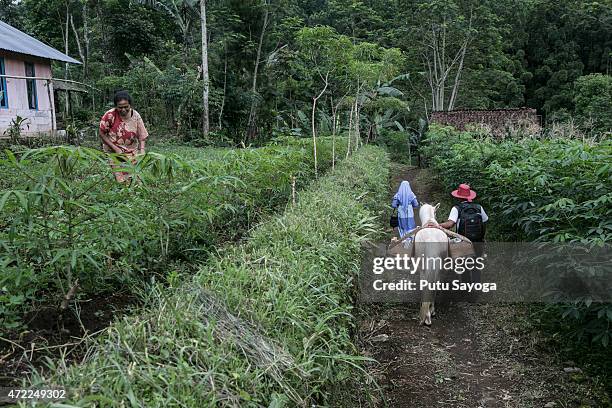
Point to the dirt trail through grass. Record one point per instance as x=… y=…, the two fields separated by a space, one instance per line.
x=472 y=356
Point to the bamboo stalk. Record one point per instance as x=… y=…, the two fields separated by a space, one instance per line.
x=69 y=295
x=48 y=79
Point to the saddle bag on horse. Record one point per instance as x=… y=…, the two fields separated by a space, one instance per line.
x=470 y=223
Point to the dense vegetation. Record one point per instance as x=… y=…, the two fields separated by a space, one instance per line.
x=64 y=219
x=541 y=189
x=266 y=323
x=229 y=91
x=368 y=64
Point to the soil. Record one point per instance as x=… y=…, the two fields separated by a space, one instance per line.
x=473 y=355
x=49 y=333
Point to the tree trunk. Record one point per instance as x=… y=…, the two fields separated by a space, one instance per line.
x=350 y=127
x=205 y=121
x=314 y=133
x=66 y=64
x=105 y=43
x=356 y=120
x=86 y=40
x=334 y=123
x=224 y=85
x=186 y=47
x=453 y=98
x=252 y=123
x=78 y=41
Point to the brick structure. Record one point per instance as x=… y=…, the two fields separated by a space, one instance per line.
x=499 y=121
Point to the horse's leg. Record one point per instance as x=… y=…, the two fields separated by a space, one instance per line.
x=427 y=298
x=433 y=295
x=425 y=313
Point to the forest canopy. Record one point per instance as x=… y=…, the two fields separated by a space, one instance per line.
x=389 y=62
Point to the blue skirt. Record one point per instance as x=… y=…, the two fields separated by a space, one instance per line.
x=406 y=225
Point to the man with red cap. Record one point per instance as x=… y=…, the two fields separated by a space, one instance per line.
x=470 y=219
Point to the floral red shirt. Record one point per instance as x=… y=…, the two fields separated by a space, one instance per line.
x=125 y=134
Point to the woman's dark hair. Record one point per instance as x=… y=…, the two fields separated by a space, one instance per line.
x=121 y=95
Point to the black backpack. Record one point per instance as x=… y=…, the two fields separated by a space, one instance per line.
x=470 y=223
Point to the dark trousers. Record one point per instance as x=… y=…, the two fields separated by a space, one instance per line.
x=479 y=248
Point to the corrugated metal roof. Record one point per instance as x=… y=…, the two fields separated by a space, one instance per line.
x=68 y=86
x=11 y=39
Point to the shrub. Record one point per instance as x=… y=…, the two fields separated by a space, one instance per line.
x=398 y=144
x=593 y=100
x=550 y=190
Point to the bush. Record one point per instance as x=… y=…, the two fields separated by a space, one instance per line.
x=282 y=334
x=549 y=190
x=593 y=100
x=398 y=144
x=545 y=190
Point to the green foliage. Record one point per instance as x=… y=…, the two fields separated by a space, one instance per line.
x=520 y=52
x=566 y=39
x=17 y=125
x=549 y=190
x=67 y=219
x=281 y=336
x=593 y=100
x=345 y=76
x=398 y=144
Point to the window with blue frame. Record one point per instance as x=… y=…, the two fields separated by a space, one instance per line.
x=31 y=86
x=3 y=92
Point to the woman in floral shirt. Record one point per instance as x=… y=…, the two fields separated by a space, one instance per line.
x=123 y=132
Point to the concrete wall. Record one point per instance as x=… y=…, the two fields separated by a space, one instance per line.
x=39 y=120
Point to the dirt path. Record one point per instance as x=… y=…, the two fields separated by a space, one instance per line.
x=472 y=356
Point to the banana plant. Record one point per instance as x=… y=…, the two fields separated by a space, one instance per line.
x=383 y=107
x=16 y=127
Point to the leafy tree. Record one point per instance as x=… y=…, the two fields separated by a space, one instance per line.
x=322 y=55
x=593 y=99
x=459 y=54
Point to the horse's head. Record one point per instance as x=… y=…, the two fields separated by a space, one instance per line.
x=427 y=213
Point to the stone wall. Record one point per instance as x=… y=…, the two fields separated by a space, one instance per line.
x=498 y=121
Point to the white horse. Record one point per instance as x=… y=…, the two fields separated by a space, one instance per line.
x=432 y=244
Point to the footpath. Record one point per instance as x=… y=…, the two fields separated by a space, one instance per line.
x=473 y=355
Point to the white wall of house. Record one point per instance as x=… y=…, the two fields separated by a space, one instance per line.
x=40 y=119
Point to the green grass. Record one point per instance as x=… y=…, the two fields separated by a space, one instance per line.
x=266 y=323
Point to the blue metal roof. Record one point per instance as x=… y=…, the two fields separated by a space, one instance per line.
x=11 y=39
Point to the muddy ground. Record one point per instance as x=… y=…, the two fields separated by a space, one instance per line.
x=49 y=333
x=473 y=355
